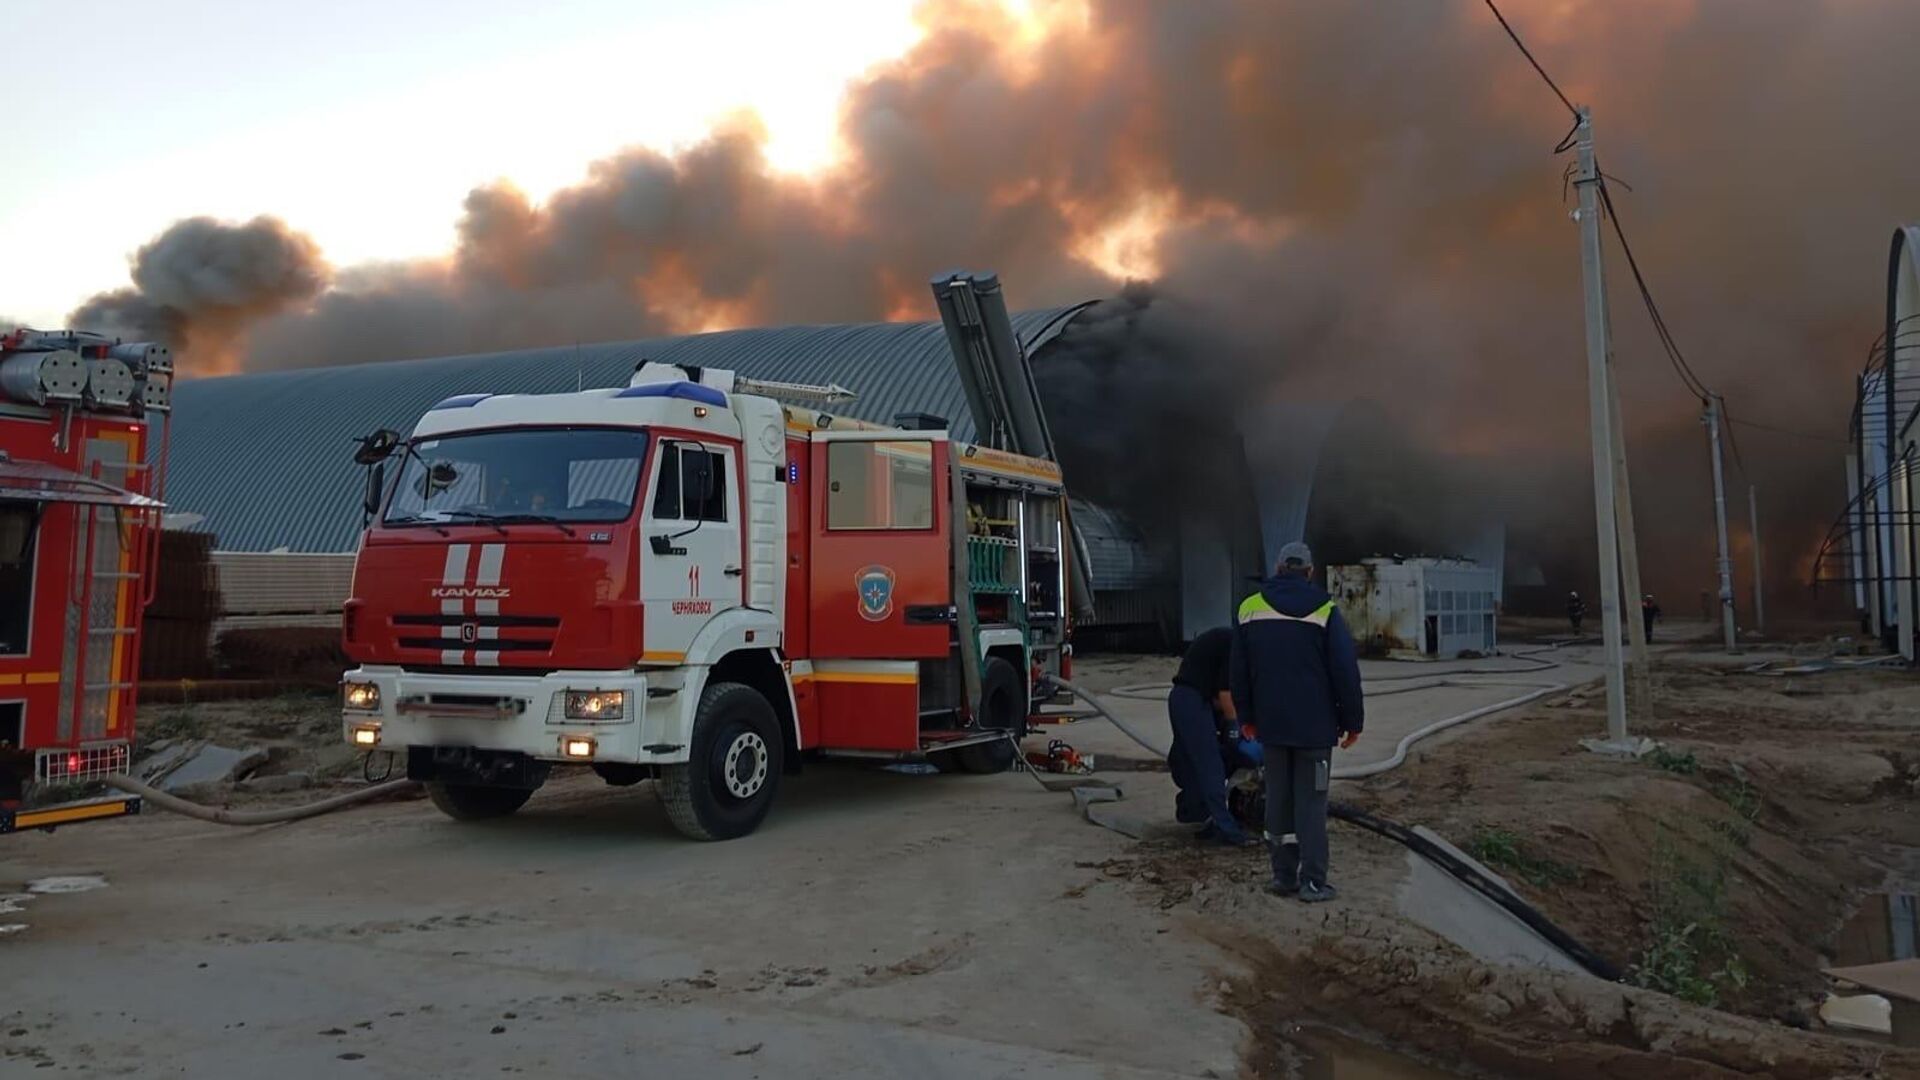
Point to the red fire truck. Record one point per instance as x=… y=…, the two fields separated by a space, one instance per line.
x=688 y=581
x=79 y=530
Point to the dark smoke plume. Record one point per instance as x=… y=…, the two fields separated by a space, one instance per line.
x=1359 y=199
x=202 y=284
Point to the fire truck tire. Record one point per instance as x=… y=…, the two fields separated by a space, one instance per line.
x=1001 y=692
x=477 y=802
x=727 y=785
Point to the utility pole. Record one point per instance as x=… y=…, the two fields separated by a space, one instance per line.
x=1720 y=522
x=1599 y=403
x=1759 y=575
x=1641 y=698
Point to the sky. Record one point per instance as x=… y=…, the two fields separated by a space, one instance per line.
x=365 y=124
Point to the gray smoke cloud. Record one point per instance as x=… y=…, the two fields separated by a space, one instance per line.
x=202 y=284
x=1347 y=201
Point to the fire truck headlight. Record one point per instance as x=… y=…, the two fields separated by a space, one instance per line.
x=366 y=735
x=577 y=746
x=596 y=705
x=360 y=696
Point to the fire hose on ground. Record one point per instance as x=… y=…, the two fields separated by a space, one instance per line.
x=1536 y=691
x=178 y=805
x=1461 y=870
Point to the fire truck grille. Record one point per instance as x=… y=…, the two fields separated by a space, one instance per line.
x=532 y=621
x=486 y=645
x=515 y=634
x=92 y=762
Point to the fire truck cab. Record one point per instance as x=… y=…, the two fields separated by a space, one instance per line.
x=686 y=580
x=79 y=531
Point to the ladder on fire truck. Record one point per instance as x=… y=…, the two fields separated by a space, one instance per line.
x=114 y=553
x=997 y=377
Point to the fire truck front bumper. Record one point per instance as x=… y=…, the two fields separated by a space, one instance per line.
x=582 y=717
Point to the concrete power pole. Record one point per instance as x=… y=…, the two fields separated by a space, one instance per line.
x=1599 y=402
x=1759 y=574
x=1720 y=522
x=1638 y=666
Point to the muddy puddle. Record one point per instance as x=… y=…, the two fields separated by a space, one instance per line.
x=1330 y=1055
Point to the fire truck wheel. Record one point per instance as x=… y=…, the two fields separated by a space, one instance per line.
x=728 y=783
x=1001 y=692
x=474 y=802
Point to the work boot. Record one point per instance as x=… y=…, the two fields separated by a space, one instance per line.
x=1317 y=892
x=1283 y=888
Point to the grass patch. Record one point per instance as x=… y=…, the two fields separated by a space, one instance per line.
x=1744 y=800
x=1690 y=954
x=1680 y=764
x=1743 y=797
x=1502 y=849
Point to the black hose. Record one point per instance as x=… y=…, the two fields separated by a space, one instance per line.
x=1470 y=876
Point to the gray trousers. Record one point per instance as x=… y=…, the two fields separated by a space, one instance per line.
x=1297 y=782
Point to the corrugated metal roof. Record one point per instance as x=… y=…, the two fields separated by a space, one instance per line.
x=1116 y=549
x=266 y=458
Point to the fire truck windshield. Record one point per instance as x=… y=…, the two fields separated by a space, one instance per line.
x=518 y=474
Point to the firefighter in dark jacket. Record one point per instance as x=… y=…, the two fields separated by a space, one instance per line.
x=1296 y=677
x=1203 y=757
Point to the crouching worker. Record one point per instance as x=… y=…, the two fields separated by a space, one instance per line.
x=1295 y=678
x=1204 y=752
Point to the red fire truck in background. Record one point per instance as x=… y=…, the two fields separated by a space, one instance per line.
x=687 y=580
x=79 y=531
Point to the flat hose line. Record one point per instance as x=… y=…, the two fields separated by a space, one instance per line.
x=1462 y=871
x=178 y=805
x=1467 y=874
x=1438 y=679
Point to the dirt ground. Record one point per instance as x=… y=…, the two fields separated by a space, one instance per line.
x=1718 y=870
x=884 y=924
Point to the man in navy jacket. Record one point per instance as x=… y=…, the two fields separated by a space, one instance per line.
x=1296 y=677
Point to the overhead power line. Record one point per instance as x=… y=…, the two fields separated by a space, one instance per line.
x=1675 y=357
x=1694 y=384
x=1522 y=46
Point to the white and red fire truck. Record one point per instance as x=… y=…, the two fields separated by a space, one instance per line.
x=687 y=580
x=79 y=531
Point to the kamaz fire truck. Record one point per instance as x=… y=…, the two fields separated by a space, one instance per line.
x=79 y=532
x=688 y=581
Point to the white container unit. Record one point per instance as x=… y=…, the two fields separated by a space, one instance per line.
x=1418 y=609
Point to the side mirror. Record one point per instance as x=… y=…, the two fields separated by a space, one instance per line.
x=441 y=475
x=376 y=484
x=376 y=447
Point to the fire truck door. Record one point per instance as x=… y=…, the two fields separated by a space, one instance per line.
x=881 y=583
x=691 y=557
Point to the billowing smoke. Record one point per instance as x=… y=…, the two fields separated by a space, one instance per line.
x=203 y=284
x=1349 y=200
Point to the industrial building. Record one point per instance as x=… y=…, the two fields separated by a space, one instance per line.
x=262 y=462
x=1873 y=549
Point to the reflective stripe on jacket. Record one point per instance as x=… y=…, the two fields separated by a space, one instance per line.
x=1295 y=673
